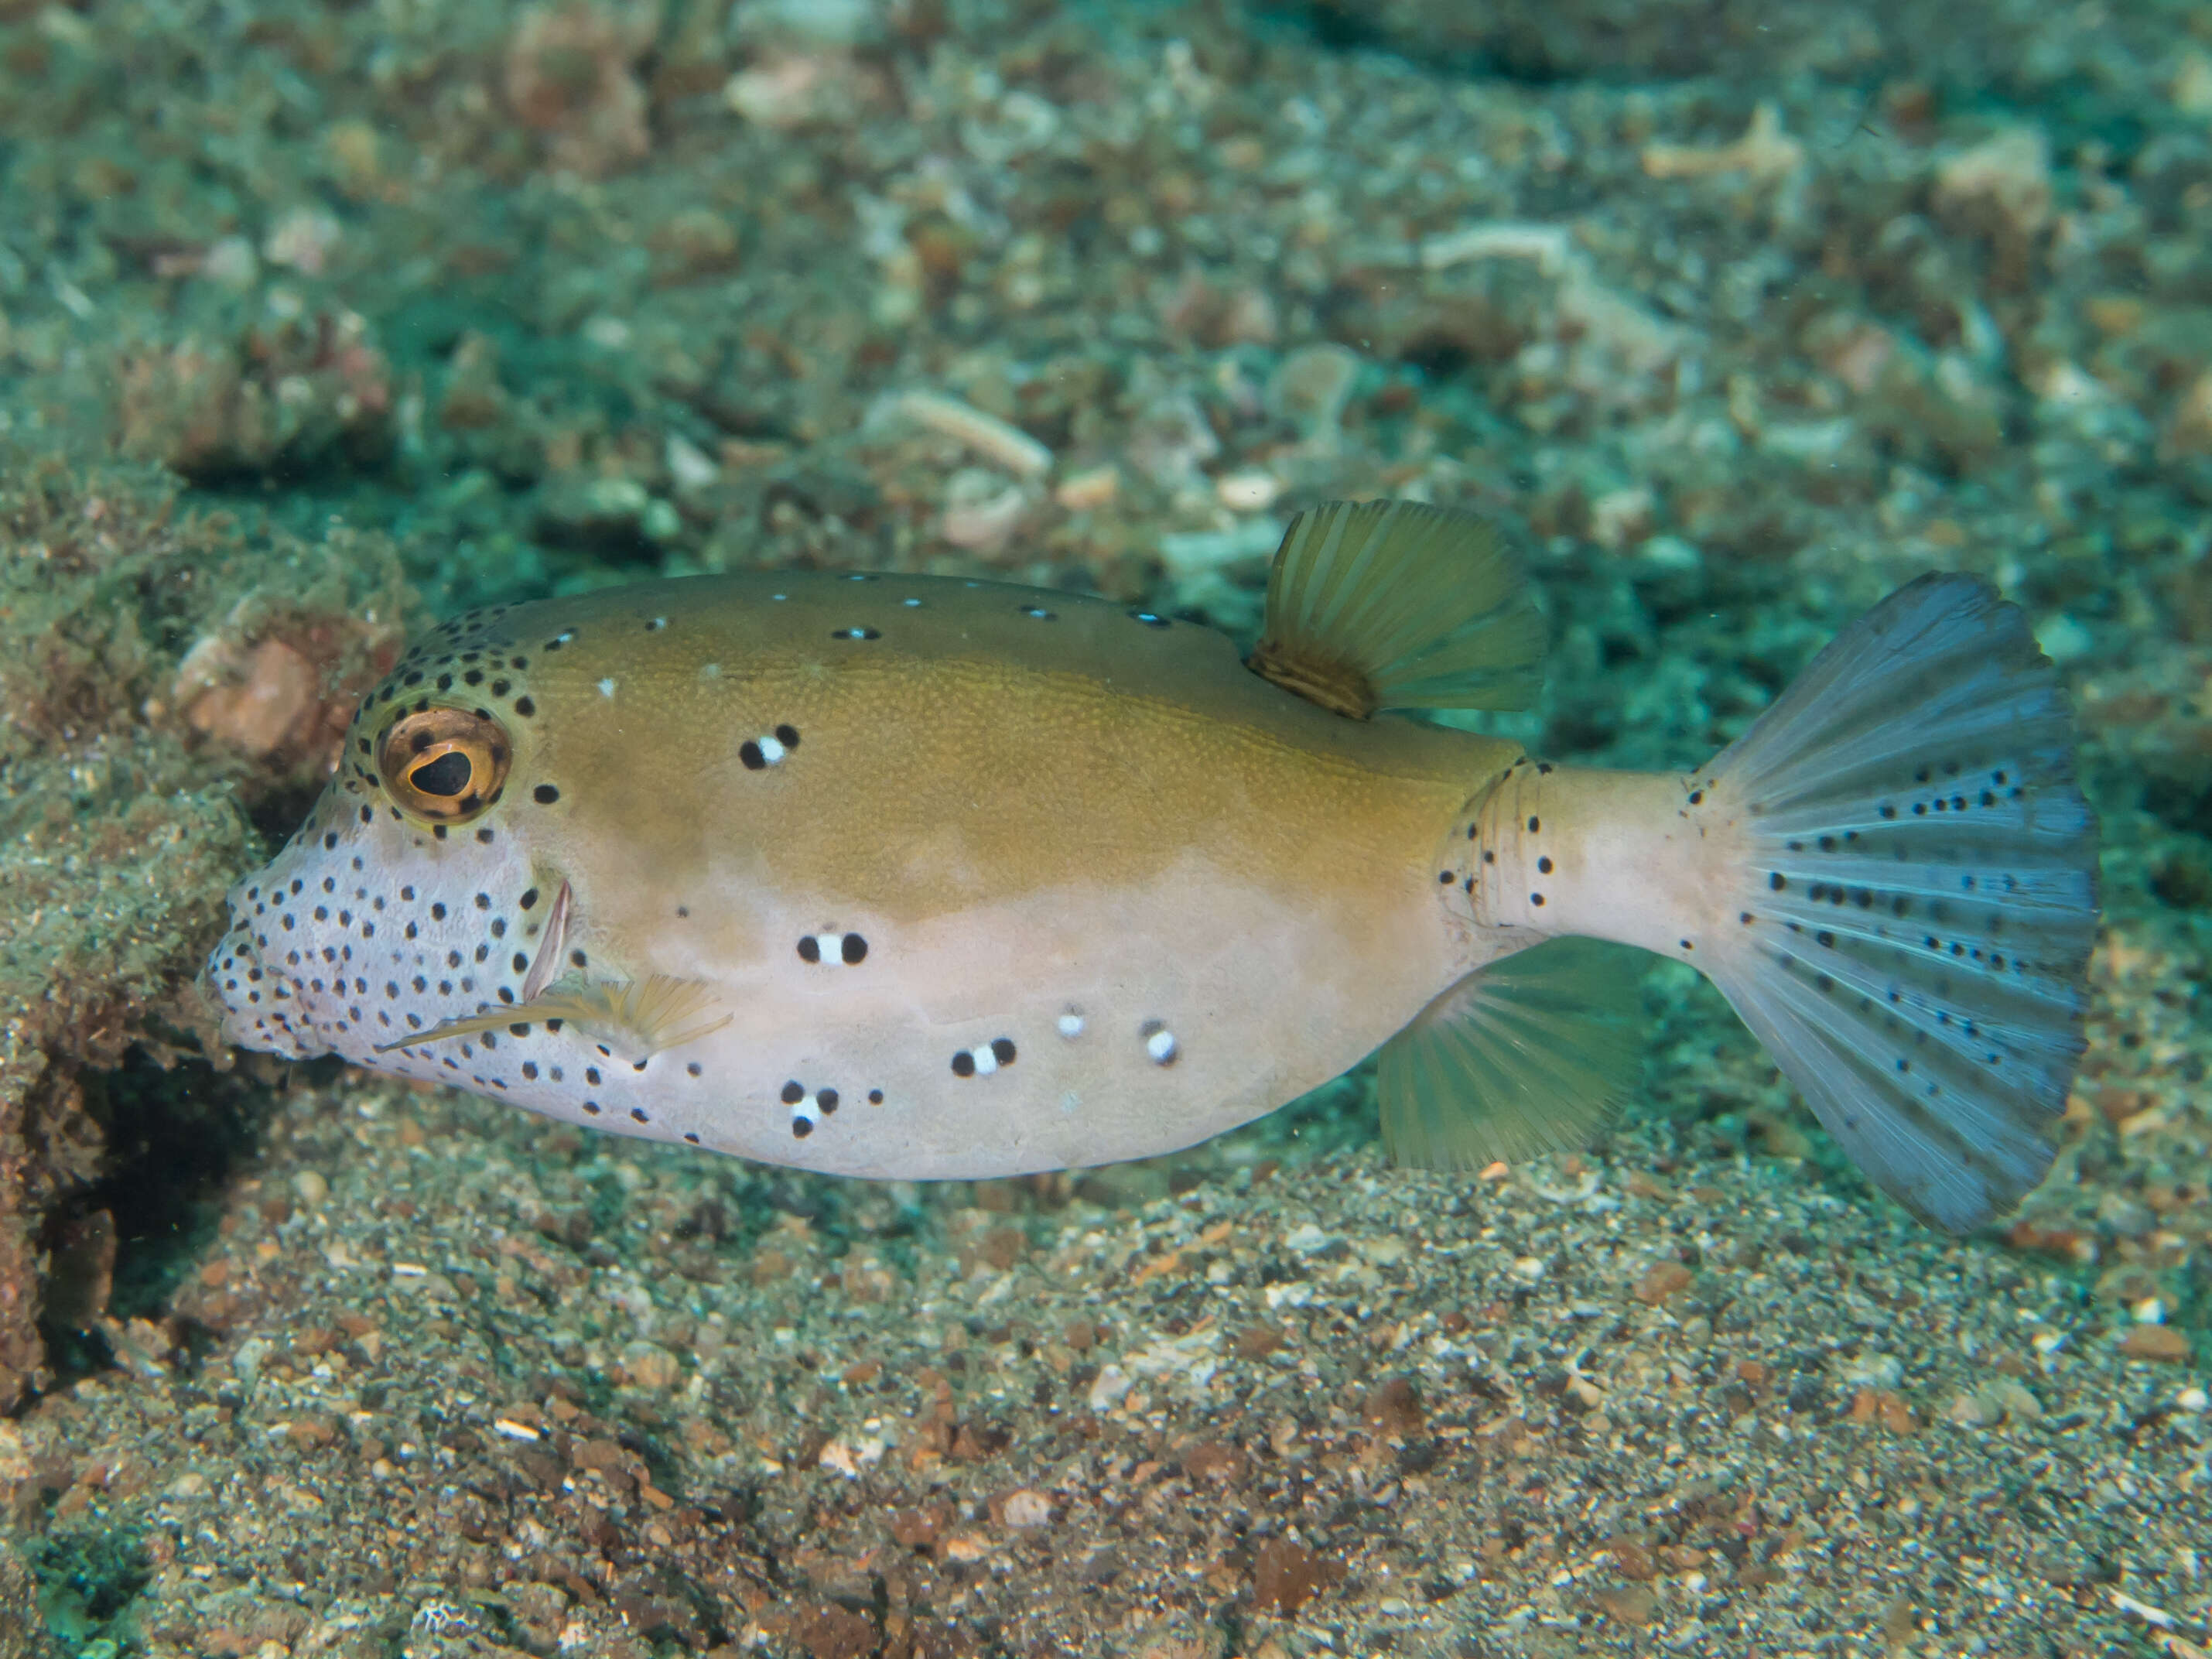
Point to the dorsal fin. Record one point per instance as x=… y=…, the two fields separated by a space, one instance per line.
x=1397 y=604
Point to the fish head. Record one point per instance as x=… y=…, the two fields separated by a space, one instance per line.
x=410 y=895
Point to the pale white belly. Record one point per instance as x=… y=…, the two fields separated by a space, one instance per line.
x=1136 y=1022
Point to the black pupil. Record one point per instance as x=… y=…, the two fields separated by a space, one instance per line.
x=447 y=776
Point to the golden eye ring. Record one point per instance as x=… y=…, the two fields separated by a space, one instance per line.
x=444 y=766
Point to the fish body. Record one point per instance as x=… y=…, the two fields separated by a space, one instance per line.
x=1052 y=829
x=916 y=878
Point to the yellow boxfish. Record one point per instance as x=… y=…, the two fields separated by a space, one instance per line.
x=920 y=877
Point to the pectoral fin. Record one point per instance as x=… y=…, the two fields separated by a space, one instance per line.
x=634 y=1018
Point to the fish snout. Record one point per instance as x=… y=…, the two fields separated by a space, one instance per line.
x=258 y=1002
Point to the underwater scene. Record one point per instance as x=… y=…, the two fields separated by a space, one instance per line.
x=1233 y=829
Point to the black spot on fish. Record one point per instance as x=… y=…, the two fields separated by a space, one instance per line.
x=545 y=794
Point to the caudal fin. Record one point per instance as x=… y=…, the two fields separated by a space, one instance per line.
x=1919 y=899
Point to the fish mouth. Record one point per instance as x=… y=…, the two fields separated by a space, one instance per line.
x=257 y=1004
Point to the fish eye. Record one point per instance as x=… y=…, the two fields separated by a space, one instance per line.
x=444 y=765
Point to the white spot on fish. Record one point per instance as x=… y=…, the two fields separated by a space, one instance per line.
x=986 y=1062
x=1161 y=1046
x=771 y=750
x=1071 y=1025
x=712 y=670
x=606 y=688
x=913 y=605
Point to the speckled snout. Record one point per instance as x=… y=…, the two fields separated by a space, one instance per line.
x=365 y=928
x=261 y=998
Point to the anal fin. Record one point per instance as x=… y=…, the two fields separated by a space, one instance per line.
x=1533 y=1053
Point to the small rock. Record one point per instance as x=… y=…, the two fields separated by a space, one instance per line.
x=570 y=77
x=1969 y=1411
x=1661 y=1280
x=2006 y=178
x=2161 y=1343
x=1312 y=386
x=1881 y=1406
x=1631 y=1604
x=1210 y=1460
x=829 y=1632
x=1258 y=1341
x=1107 y=1388
x=1394 y=1407
x=1084 y=491
x=650 y=1366
x=1285 y=1575
x=254 y=699
x=1025 y=1510
x=1631 y=1559
x=2013 y=1399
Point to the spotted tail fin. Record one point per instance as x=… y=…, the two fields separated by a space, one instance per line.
x=1911 y=928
